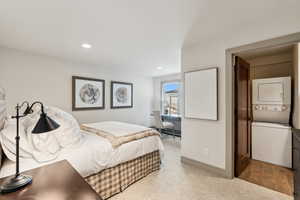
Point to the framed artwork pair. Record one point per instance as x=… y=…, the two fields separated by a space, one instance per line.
x=89 y=94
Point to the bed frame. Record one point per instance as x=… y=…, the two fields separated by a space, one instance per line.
x=110 y=181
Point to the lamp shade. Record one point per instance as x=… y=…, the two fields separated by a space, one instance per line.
x=45 y=124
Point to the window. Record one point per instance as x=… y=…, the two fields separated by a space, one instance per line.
x=171 y=98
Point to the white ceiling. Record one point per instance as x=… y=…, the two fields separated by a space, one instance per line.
x=231 y=17
x=130 y=35
x=136 y=35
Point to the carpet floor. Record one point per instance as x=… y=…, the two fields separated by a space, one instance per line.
x=179 y=181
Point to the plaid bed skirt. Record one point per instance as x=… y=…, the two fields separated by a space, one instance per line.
x=114 y=180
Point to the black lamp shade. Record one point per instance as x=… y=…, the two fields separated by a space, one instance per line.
x=45 y=124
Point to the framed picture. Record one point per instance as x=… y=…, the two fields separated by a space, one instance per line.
x=121 y=95
x=88 y=93
x=201 y=94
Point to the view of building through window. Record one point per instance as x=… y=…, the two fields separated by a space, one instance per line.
x=171 y=98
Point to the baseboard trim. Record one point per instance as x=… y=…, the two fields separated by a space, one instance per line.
x=213 y=169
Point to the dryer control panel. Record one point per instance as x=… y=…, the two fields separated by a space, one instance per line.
x=274 y=108
x=271 y=99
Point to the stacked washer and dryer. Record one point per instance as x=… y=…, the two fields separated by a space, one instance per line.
x=271 y=133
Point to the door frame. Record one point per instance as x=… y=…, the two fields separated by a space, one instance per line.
x=229 y=91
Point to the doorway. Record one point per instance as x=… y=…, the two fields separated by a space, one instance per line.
x=263 y=117
x=229 y=94
x=166 y=114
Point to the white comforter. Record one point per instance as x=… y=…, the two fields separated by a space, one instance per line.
x=93 y=155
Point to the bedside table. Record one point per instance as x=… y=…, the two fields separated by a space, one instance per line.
x=57 y=181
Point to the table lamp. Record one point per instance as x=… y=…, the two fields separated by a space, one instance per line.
x=44 y=124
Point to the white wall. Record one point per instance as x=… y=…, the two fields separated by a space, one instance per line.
x=157 y=88
x=31 y=77
x=204 y=141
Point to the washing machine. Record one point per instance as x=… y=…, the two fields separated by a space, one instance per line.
x=271 y=134
x=272 y=143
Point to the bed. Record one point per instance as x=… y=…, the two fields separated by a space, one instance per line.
x=109 y=170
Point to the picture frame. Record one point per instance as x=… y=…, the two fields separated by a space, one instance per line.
x=87 y=93
x=121 y=95
x=201 y=94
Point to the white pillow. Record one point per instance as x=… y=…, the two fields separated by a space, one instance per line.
x=67 y=135
x=8 y=141
x=43 y=142
x=45 y=146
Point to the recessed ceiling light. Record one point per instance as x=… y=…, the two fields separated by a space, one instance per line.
x=159 y=68
x=86 y=46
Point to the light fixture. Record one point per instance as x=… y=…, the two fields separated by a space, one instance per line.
x=86 y=45
x=159 y=68
x=45 y=124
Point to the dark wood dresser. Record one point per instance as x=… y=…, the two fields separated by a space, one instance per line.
x=296 y=162
x=57 y=181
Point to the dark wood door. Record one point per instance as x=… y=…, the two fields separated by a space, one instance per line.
x=242 y=115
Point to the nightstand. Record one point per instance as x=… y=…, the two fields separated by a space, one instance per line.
x=57 y=181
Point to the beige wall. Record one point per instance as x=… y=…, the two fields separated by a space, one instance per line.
x=296 y=68
x=31 y=77
x=279 y=65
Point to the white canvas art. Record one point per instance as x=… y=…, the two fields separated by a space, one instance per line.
x=121 y=95
x=201 y=94
x=88 y=93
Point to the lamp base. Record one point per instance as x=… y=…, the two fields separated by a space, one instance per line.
x=15 y=183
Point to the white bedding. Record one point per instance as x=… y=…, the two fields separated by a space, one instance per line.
x=93 y=155
x=41 y=147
